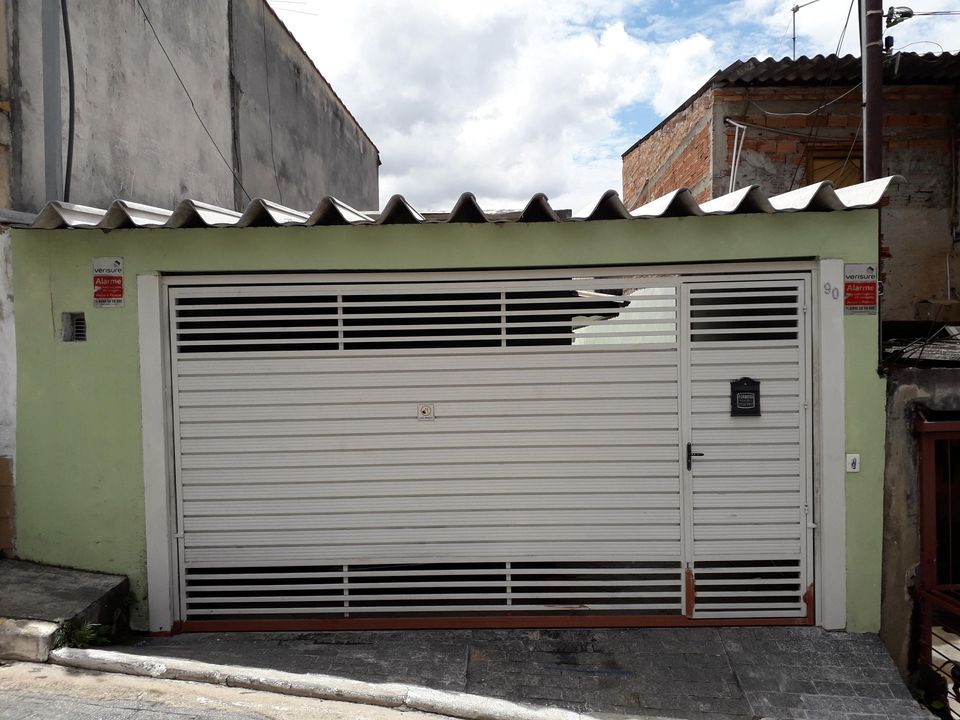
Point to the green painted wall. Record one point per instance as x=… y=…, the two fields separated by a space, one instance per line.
x=79 y=460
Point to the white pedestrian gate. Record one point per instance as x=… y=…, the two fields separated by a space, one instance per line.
x=516 y=443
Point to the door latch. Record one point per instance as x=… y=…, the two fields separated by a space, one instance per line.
x=691 y=455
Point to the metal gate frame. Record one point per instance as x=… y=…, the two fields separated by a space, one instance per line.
x=825 y=342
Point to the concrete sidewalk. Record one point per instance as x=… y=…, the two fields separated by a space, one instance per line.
x=31 y=591
x=723 y=673
x=39 y=602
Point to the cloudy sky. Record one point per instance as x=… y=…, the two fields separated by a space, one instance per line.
x=506 y=98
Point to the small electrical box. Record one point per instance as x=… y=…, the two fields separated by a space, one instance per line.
x=744 y=397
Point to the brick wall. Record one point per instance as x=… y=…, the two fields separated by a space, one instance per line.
x=677 y=155
x=916 y=144
x=916 y=137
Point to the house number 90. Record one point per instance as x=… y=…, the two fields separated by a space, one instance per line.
x=831 y=290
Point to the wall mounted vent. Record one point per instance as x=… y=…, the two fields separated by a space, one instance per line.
x=73 y=326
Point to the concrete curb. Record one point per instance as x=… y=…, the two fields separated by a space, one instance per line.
x=321 y=687
x=30 y=640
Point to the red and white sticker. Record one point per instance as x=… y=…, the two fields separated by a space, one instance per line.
x=108 y=282
x=859 y=289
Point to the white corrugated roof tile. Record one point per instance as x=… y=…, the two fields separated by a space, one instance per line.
x=819 y=197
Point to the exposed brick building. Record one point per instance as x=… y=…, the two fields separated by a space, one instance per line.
x=800 y=122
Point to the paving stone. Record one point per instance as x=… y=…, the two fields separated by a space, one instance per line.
x=694 y=673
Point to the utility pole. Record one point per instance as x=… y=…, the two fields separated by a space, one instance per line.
x=871 y=57
x=52 y=127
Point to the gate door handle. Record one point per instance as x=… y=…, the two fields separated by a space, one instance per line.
x=691 y=455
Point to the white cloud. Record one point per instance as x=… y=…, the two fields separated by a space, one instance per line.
x=507 y=98
x=501 y=98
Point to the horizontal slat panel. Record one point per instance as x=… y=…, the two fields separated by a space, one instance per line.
x=431 y=379
x=312 y=501
x=636 y=586
x=772 y=531
x=425 y=598
x=561 y=550
x=399 y=535
x=517 y=327
x=708 y=582
x=769 y=419
x=585 y=390
x=184 y=342
x=330 y=458
x=657 y=574
x=469 y=309
x=465 y=479
x=777 y=566
x=745 y=549
x=408 y=423
x=459 y=360
x=662 y=523
x=753 y=497
x=439 y=609
x=746 y=516
x=794 y=610
x=758 y=482
x=764 y=373
x=651 y=440
x=745 y=436
x=658 y=412
x=737 y=354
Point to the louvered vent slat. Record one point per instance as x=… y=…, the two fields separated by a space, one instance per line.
x=755 y=313
x=434 y=589
x=427 y=316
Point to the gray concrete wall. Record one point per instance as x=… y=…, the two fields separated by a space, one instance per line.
x=136 y=134
x=317 y=147
x=8 y=356
x=907 y=389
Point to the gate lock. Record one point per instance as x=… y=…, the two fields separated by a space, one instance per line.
x=691 y=455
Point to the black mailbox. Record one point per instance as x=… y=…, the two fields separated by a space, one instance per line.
x=745 y=396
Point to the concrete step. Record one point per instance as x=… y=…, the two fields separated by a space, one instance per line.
x=40 y=604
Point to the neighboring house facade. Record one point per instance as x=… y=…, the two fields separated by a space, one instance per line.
x=784 y=141
x=783 y=123
x=277 y=129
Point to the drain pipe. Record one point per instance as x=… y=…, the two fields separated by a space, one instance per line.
x=739 y=134
x=52 y=129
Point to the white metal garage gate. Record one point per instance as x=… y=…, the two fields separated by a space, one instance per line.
x=505 y=445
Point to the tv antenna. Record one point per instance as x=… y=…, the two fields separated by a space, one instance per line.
x=795 y=9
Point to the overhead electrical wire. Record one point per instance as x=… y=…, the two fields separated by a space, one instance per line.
x=811 y=112
x=813 y=130
x=192 y=103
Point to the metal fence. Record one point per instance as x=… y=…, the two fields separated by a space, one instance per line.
x=936 y=658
